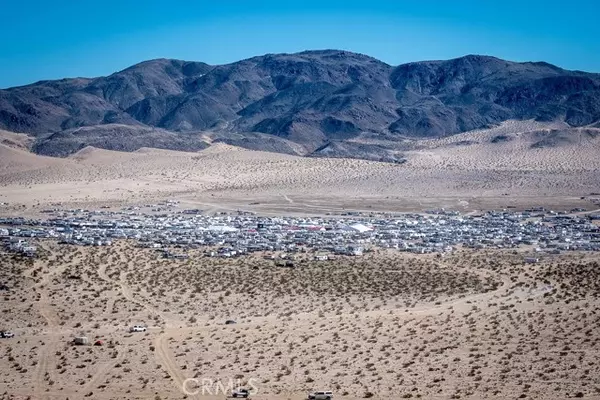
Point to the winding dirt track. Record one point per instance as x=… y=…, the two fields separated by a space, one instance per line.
x=47 y=350
x=101 y=373
x=168 y=362
x=162 y=352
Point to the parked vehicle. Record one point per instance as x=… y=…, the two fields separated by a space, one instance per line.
x=6 y=334
x=81 y=341
x=321 y=395
x=137 y=328
x=244 y=393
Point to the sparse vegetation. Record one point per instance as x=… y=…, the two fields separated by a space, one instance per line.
x=473 y=324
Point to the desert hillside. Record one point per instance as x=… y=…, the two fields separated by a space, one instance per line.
x=475 y=325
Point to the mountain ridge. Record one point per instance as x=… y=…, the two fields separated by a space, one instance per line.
x=299 y=103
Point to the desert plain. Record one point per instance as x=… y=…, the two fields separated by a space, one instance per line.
x=472 y=324
x=518 y=163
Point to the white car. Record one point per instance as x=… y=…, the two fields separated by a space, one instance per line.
x=6 y=334
x=321 y=395
x=243 y=393
x=137 y=328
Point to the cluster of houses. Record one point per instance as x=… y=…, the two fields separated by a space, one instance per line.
x=16 y=244
x=236 y=234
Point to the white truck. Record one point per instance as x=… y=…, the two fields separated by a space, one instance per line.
x=6 y=334
x=137 y=328
x=321 y=395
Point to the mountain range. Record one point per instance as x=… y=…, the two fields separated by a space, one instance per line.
x=313 y=103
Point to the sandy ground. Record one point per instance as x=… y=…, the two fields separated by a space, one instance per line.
x=464 y=172
x=387 y=325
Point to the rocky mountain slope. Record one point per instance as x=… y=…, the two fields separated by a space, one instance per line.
x=321 y=103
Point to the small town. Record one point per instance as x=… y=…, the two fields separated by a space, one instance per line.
x=172 y=231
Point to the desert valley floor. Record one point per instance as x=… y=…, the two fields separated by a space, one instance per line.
x=529 y=166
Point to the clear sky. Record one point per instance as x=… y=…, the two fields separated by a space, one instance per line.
x=50 y=39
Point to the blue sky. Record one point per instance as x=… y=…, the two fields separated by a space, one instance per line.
x=43 y=39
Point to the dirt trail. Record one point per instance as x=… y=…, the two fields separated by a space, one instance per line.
x=101 y=373
x=102 y=274
x=47 y=350
x=127 y=293
x=166 y=359
x=163 y=354
x=111 y=300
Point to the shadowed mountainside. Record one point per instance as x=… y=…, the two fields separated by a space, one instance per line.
x=322 y=103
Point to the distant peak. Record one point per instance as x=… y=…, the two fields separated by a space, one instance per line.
x=328 y=52
x=479 y=57
x=155 y=61
x=335 y=53
x=324 y=53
